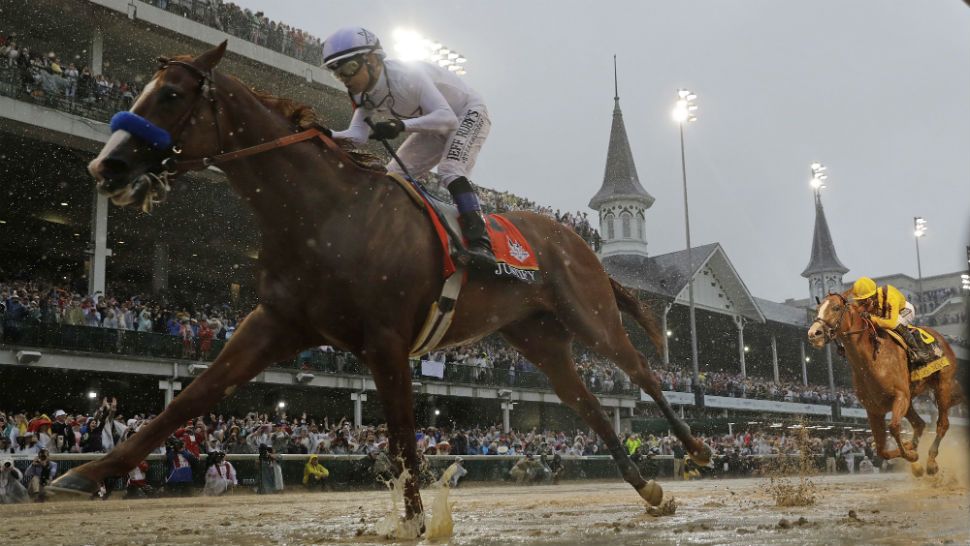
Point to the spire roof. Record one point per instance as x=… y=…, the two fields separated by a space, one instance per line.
x=620 y=181
x=824 y=259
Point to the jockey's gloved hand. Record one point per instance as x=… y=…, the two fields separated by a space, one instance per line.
x=387 y=130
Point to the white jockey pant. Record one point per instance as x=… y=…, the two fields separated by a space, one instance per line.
x=907 y=314
x=454 y=154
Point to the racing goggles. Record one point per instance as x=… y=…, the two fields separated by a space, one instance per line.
x=347 y=68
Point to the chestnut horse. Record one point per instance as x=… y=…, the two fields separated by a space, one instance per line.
x=348 y=260
x=881 y=376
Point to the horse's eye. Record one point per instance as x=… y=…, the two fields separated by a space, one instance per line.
x=837 y=308
x=170 y=96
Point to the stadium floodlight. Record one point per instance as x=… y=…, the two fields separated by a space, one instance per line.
x=965 y=281
x=437 y=412
x=92 y=395
x=281 y=404
x=919 y=226
x=747 y=349
x=410 y=45
x=670 y=333
x=818 y=176
x=685 y=106
x=919 y=230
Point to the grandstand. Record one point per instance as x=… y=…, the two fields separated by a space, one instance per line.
x=196 y=256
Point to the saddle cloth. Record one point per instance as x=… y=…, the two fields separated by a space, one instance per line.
x=923 y=370
x=509 y=245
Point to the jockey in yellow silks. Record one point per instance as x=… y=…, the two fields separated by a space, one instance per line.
x=888 y=309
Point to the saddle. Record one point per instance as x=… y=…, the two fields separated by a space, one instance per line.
x=513 y=255
x=919 y=369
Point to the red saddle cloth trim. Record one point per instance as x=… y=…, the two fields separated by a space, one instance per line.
x=509 y=245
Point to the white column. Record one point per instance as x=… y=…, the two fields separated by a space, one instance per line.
x=774 y=357
x=359 y=398
x=663 y=324
x=99 y=236
x=740 y=322
x=801 y=347
x=616 y=419
x=169 y=386
x=506 y=408
x=97 y=52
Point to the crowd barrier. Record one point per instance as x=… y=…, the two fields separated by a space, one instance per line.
x=355 y=471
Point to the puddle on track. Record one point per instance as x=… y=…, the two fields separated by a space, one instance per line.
x=891 y=509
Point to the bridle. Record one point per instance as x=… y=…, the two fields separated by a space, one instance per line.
x=831 y=332
x=172 y=164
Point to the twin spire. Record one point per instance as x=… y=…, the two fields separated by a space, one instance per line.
x=620 y=181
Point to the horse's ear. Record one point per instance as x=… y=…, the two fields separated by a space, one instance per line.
x=818 y=301
x=209 y=59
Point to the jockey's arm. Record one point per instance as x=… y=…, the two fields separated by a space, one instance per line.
x=358 y=131
x=440 y=118
x=896 y=303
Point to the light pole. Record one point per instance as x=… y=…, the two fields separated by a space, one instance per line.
x=919 y=230
x=819 y=176
x=684 y=112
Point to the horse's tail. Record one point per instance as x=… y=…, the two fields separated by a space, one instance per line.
x=629 y=304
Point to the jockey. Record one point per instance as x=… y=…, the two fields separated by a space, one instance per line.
x=888 y=308
x=446 y=120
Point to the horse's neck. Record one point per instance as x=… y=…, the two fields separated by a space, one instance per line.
x=296 y=181
x=859 y=347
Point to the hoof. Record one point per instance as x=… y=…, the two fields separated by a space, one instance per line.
x=652 y=493
x=932 y=468
x=916 y=469
x=74 y=484
x=702 y=458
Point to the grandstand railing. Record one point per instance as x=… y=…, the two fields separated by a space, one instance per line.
x=154 y=345
x=20 y=84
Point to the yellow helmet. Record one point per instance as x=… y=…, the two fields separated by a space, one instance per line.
x=864 y=288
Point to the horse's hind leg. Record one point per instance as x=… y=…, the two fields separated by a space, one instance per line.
x=943 y=404
x=547 y=344
x=595 y=319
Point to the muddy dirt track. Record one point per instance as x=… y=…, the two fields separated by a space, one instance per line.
x=887 y=509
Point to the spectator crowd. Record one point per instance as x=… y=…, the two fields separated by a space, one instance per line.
x=37 y=435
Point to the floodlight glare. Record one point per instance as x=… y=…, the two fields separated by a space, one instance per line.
x=409 y=45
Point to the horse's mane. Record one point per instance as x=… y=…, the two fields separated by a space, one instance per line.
x=305 y=117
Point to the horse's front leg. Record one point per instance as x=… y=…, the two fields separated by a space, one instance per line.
x=260 y=341
x=387 y=359
x=901 y=408
x=877 y=422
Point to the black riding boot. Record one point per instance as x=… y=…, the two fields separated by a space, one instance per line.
x=918 y=352
x=472 y=223
x=479 y=246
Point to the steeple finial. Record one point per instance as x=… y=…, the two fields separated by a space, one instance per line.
x=616 y=84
